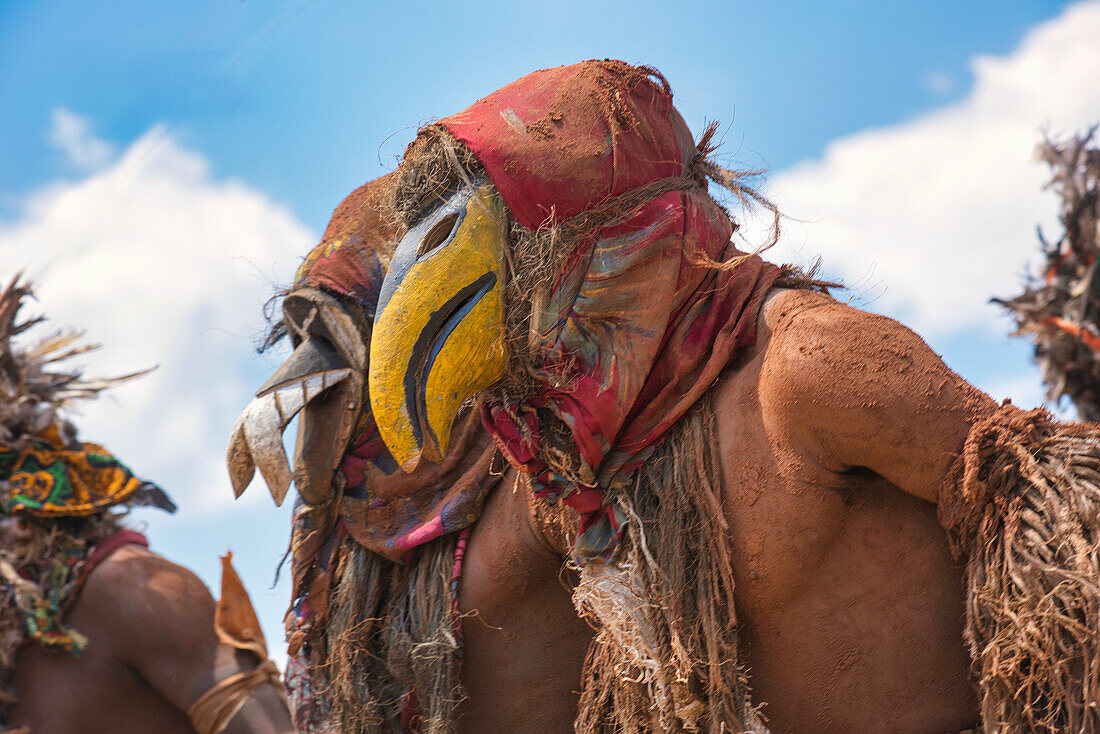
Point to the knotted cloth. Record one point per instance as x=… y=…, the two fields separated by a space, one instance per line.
x=638 y=323
x=55 y=478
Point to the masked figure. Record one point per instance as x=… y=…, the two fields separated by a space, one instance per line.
x=724 y=436
x=375 y=551
x=96 y=632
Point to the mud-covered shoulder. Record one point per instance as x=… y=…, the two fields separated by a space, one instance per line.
x=783 y=305
x=852 y=389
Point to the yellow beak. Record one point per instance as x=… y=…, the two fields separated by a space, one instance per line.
x=438 y=335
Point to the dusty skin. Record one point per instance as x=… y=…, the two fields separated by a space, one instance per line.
x=835 y=432
x=152 y=652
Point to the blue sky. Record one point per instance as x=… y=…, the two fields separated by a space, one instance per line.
x=165 y=164
x=301 y=99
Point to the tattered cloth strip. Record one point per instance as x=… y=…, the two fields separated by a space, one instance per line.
x=639 y=318
x=1023 y=509
x=665 y=657
x=382 y=519
x=1060 y=310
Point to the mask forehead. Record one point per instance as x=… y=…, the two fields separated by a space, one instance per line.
x=409 y=249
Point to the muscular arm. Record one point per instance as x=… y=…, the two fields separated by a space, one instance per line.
x=159 y=618
x=849 y=389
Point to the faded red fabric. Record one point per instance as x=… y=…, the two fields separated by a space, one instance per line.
x=354 y=252
x=391 y=512
x=560 y=140
x=634 y=329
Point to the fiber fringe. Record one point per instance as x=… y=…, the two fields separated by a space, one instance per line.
x=392 y=631
x=1024 y=510
x=665 y=657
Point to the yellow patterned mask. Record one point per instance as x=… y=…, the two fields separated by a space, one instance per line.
x=438 y=335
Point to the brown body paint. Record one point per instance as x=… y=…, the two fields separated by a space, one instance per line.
x=835 y=431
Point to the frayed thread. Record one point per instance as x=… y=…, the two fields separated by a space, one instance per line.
x=665 y=657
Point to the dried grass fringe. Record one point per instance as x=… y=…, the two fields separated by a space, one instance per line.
x=1024 y=510
x=665 y=657
x=392 y=631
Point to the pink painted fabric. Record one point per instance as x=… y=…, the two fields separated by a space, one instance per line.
x=634 y=330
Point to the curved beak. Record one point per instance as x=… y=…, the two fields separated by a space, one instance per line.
x=321 y=383
x=439 y=328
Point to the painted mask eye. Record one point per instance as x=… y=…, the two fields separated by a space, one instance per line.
x=437 y=235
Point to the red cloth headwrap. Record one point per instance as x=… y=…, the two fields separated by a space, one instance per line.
x=560 y=140
x=634 y=329
x=353 y=254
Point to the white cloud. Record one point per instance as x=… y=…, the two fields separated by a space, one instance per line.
x=72 y=135
x=931 y=217
x=163 y=265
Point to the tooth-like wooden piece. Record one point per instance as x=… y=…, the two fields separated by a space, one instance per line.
x=239 y=459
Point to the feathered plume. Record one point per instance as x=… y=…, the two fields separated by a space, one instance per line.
x=32 y=385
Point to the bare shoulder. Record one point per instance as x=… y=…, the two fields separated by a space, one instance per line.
x=156 y=603
x=793 y=316
x=158 y=619
x=783 y=306
x=855 y=389
x=134 y=575
x=818 y=344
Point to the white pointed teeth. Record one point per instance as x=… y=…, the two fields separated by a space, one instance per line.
x=292 y=395
x=315 y=366
x=257 y=442
x=239 y=459
x=257 y=437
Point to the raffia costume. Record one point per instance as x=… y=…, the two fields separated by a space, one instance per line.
x=1034 y=619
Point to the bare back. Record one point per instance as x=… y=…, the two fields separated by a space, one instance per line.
x=152 y=652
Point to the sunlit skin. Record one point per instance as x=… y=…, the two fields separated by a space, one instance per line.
x=834 y=431
x=152 y=652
